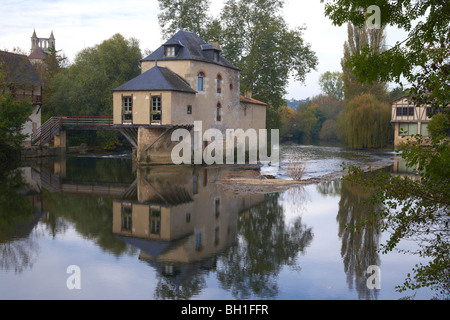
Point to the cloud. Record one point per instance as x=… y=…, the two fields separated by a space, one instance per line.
x=78 y=24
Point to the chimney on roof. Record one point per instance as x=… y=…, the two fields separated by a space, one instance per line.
x=248 y=94
x=216 y=45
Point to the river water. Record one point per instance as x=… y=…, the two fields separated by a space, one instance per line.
x=176 y=233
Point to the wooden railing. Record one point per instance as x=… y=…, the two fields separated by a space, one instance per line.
x=54 y=125
x=37 y=99
x=87 y=123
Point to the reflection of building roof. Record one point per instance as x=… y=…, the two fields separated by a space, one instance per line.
x=151 y=248
x=191 y=48
x=157 y=79
x=18 y=70
x=166 y=194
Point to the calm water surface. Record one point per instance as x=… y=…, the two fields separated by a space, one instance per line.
x=175 y=233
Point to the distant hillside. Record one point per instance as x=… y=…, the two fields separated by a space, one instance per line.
x=293 y=104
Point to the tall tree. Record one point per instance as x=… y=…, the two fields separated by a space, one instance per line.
x=332 y=84
x=258 y=40
x=50 y=67
x=367 y=117
x=359 y=38
x=187 y=14
x=85 y=87
x=255 y=37
x=422 y=57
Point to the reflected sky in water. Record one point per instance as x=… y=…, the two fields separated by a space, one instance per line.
x=173 y=233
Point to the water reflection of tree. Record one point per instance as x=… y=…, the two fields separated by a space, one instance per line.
x=266 y=244
x=330 y=188
x=358 y=245
x=89 y=215
x=106 y=170
x=175 y=288
x=18 y=249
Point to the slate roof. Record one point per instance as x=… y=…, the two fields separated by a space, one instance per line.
x=17 y=69
x=191 y=48
x=157 y=79
x=38 y=53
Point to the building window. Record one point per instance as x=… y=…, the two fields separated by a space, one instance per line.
x=216 y=235
x=127 y=103
x=405 y=111
x=127 y=220
x=170 y=51
x=195 y=184
x=155 y=221
x=198 y=241
x=156 y=109
x=216 y=56
x=189 y=109
x=217 y=208
x=219 y=112
x=201 y=76
x=432 y=111
x=219 y=84
x=168 y=270
x=409 y=129
x=424 y=130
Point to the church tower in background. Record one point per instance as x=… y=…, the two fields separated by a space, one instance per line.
x=40 y=47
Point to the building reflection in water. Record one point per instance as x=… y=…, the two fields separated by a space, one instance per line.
x=180 y=220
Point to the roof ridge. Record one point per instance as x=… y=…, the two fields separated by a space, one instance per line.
x=177 y=75
x=163 y=80
x=192 y=49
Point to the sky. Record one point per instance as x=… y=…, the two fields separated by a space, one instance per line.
x=79 y=24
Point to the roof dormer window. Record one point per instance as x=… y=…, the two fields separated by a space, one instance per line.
x=171 y=48
x=170 y=51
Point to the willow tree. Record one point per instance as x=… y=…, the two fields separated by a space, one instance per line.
x=368 y=122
